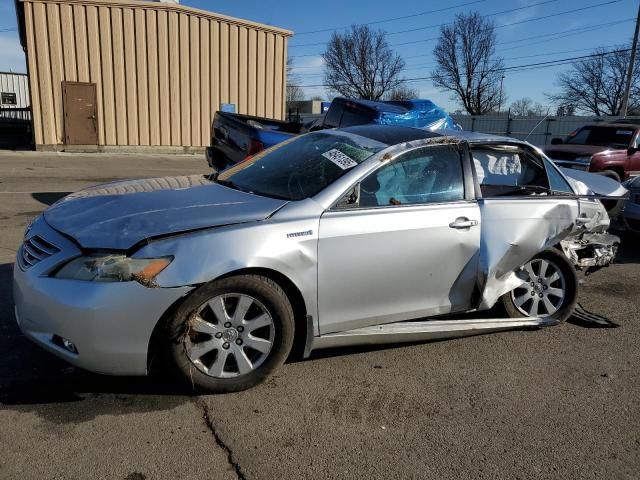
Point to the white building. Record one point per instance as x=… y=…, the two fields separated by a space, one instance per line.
x=14 y=90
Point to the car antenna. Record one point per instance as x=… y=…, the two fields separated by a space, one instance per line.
x=538 y=124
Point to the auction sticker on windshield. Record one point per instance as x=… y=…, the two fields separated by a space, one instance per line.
x=340 y=159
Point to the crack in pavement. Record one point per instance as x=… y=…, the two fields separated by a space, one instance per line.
x=209 y=423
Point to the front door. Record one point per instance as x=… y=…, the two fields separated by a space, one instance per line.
x=408 y=249
x=80 y=114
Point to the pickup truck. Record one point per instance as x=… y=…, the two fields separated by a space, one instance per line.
x=235 y=137
x=611 y=149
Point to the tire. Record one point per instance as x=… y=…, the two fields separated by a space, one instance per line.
x=217 y=348
x=611 y=174
x=521 y=303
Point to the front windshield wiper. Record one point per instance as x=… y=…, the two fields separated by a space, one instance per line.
x=230 y=184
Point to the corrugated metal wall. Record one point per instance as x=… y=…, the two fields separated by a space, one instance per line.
x=15 y=83
x=161 y=70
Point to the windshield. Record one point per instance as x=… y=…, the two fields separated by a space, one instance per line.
x=301 y=167
x=602 y=136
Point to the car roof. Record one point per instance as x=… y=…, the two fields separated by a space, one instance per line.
x=390 y=134
x=477 y=137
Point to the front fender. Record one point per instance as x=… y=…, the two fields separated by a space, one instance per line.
x=203 y=256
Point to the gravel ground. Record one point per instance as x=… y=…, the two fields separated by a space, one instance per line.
x=562 y=402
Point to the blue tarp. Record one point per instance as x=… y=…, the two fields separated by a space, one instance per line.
x=417 y=113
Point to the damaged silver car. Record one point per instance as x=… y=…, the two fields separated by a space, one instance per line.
x=363 y=235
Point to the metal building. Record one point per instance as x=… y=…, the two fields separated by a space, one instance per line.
x=14 y=90
x=125 y=74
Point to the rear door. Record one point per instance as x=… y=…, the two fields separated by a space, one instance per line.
x=407 y=249
x=524 y=210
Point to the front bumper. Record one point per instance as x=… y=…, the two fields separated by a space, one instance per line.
x=109 y=323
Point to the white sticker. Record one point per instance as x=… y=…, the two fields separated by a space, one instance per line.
x=340 y=159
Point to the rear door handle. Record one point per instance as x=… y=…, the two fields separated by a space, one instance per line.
x=463 y=222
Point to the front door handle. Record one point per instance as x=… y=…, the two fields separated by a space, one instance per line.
x=463 y=222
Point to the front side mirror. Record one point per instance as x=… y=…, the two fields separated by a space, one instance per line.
x=631 y=150
x=557 y=141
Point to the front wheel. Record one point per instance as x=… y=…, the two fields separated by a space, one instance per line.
x=548 y=289
x=231 y=334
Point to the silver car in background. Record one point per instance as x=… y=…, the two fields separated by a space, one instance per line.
x=332 y=238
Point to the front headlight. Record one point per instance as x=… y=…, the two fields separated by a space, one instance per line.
x=585 y=160
x=114 y=268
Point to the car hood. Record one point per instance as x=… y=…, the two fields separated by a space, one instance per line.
x=121 y=214
x=566 y=151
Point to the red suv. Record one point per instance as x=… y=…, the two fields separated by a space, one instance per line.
x=608 y=148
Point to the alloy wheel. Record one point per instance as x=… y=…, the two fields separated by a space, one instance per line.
x=542 y=291
x=230 y=335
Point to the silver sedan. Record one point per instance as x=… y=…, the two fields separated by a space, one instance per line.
x=340 y=237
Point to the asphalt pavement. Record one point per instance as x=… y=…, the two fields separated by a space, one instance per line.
x=562 y=402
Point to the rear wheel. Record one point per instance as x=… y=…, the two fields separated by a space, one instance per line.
x=231 y=334
x=548 y=289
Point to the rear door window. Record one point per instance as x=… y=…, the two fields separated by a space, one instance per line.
x=509 y=171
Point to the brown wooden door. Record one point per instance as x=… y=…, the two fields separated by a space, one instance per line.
x=80 y=115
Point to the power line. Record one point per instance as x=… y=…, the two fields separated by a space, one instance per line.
x=609 y=2
x=385 y=20
x=513 y=68
x=439 y=24
x=544 y=17
x=484 y=16
x=425 y=66
x=548 y=37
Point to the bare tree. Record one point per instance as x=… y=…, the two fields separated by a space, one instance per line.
x=294 y=90
x=595 y=85
x=467 y=64
x=521 y=108
x=565 y=110
x=360 y=64
x=402 y=92
x=539 y=110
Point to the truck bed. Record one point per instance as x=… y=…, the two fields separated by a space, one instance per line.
x=234 y=137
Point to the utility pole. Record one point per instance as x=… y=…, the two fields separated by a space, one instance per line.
x=502 y=79
x=627 y=86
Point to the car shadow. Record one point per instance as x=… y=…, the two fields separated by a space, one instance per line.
x=48 y=198
x=33 y=380
x=629 y=251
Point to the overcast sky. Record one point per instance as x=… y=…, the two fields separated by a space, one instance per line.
x=556 y=34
